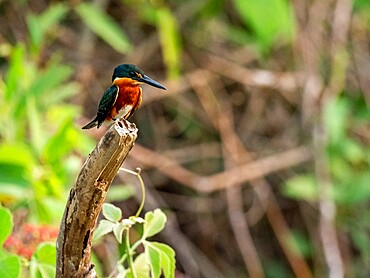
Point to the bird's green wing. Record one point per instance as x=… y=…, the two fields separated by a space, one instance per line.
x=108 y=99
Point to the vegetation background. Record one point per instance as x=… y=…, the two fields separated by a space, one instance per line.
x=258 y=152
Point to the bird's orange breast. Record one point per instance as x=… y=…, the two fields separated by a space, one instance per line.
x=127 y=96
x=128 y=99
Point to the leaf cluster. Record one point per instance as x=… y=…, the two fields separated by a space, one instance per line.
x=157 y=258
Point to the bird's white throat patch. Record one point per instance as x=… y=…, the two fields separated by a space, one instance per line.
x=124 y=111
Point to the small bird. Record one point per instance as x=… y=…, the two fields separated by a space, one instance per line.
x=124 y=97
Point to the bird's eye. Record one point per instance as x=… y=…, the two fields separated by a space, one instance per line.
x=133 y=74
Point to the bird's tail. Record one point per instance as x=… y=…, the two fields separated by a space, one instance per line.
x=92 y=124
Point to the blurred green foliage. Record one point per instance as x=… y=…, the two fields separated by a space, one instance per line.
x=268 y=20
x=349 y=164
x=43 y=261
x=157 y=259
x=38 y=135
x=40 y=146
x=41 y=149
x=104 y=26
x=159 y=15
x=38 y=25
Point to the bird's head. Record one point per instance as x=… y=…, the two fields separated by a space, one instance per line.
x=134 y=73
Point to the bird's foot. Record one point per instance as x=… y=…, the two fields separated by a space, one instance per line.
x=118 y=122
x=125 y=127
x=122 y=123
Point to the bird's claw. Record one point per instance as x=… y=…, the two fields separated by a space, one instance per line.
x=122 y=123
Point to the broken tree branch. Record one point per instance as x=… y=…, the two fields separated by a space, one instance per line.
x=86 y=199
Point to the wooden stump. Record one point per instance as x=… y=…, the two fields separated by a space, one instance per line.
x=86 y=199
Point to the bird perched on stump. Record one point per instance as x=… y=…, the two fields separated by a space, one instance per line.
x=124 y=97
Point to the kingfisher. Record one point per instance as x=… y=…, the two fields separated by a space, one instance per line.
x=124 y=96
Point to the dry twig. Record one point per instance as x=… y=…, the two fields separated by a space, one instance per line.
x=222 y=118
x=86 y=199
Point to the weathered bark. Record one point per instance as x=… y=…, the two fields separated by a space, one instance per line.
x=86 y=199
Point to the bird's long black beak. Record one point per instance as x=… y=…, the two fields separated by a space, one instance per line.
x=146 y=79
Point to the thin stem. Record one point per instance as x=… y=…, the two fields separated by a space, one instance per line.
x=122 y=259
x=135 y=245
x=128 y=252
x=140 y=209
x=142 y=195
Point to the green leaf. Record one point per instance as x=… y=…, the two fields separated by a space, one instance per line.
x=268 y=19
x=167 y=259
x=16 y=163
x=352 y=150
x=49 y=79
x=45 y=208
x=61 y=143
x=124 y=224
x=38 y=25
x=36 y=33
x=336 y=119
x=60 y=93
x=128 y=223
x=43 y=83
x=13 y=175
x=122 y=272
x=10 y=266
x=301 y=187
x=118 y=231
x=170 y=40
x=45 y=253
x=38 y=135
x=104 y=26
x=339 y=166
x=141 y=266
x=137 y=219
x=355 y=191
x=43 y=271
x=153 y=257
x=43 y=261
x=17 y=154
x=111 y=212
x=52 y=15
x=15 y=71
x=160 y=257
x=55 y=208
x=155 y=222
x=6 y=224
x=103 y=228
